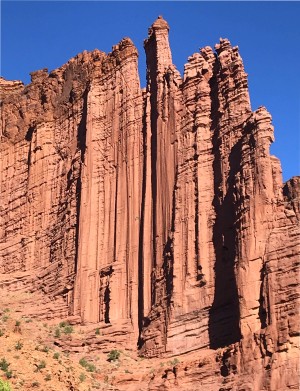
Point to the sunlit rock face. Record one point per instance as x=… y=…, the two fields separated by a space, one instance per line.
x=158 y=214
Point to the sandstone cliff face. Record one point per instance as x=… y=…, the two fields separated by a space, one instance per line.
x=159 y=214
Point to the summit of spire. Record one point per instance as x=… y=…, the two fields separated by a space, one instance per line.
x=160 y=23
x=157 y=45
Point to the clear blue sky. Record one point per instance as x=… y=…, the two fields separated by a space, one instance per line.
x=42 y=34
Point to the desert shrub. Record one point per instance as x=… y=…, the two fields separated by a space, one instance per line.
x=4 y=364
x=113 y=355
x=17 y=328
x=40 y=365
x=83 y=362
x=45 y=349
x=1 y=333
x=90 y=367
x=8 y=374
x=65 y=327
x=175 y=361
x=56 y=356
x=87 y=365
x=97 y=331
x=35 y=384
x=68 y=329
x=4 y=386
x=82 y=377
x=19 y=345
x=48 y=377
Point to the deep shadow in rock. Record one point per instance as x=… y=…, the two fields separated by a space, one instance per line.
x=224 y=315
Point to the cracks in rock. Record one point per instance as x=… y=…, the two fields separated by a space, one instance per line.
x=263 y=311
x=200 y=276
x=168 y=267
x=28 y=137
x=224 y=314
x=105 y=294
x=81 y=145
x=141 y=272
x=106 y=303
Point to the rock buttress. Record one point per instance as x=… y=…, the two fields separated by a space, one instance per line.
x=219 y=282
x=106 y=287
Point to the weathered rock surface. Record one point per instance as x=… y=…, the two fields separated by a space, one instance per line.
x=158 y=213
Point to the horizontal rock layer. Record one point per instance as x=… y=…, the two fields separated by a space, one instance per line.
x=159 y=213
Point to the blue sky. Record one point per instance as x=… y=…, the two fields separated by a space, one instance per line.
x=41 y=34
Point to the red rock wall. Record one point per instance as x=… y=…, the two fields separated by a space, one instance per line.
x=158 y=212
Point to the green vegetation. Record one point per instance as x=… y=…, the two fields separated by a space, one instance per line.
x=1 y=333
x=87 y=365
x=64 y=327
x=41 y=365
x=113 y=355
x=97 y=331
x=8 y=374
x=174 y=362
x=82 y=377
x=4 y=386
x=17 y=328
x=83 y=362
x=56 y=356
x=68 y=329
x=4 y=365
x=19 y=345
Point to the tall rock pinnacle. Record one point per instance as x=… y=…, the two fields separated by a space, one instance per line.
x=157 y=44
x=158 y=216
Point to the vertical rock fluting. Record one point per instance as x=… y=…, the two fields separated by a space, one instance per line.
x=106 y=287
x=157 y=214
x=41 y=149
x=216 y=286
x=160 y=128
